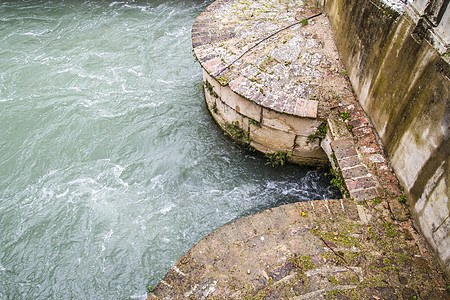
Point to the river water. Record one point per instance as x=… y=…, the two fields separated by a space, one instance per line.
x=110 y=165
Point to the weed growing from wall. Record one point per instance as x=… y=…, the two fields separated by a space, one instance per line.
x=195 y=57
x=320 y=133
x=214 y=108
x=210 y=89
x=337 y=179
x=402 y=199
x=237 y=133
x=254 y=122
x=277 y=158
x=344 y=115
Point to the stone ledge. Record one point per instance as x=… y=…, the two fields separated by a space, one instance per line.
x=326 y=248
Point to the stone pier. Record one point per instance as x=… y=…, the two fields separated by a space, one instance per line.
x=271 y=73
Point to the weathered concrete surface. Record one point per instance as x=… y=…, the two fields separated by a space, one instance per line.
x=401 y=76
x=333 y=249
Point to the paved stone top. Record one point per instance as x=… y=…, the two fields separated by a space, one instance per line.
x=333 y=249
x=296 y=70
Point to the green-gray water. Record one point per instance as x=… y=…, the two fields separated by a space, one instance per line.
x=110 y=165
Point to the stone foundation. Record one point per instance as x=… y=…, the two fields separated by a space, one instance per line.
x=268 y=131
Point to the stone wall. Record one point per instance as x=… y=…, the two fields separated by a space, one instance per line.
x=266 y=130
x=399 y=67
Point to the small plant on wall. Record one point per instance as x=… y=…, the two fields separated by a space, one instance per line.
x=337 y=180
x=210 y=89
x=344 y=115
x=277 y=159
x=254 y=122
x=237 y=133
x=214 y=108
x=320 y=132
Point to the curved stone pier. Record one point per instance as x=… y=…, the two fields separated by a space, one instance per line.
x=275 y=83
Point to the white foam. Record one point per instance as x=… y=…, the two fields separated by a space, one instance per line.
x=115 y=2
x=144 y=296
x=397 y=5
x=118 y=169
x=177 y=33
x=167 y=208
x=62 y=194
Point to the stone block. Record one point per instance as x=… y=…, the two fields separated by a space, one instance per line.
x=278 y=218
x=309 y=150
x=211 y=65
x=442 y=241
x=356 y=123
x=292 y=213
x=240 y=104
x=290 y=123
x=309 y=161
x=261 y=223
x=336 y=207
x=435 y=211
x=218 y=115
x=343 y=147
x=227 y=114
x=365 y=194
x=351 y=211
x=376 y=158
x=356 y=114
x=365 y=130
x=273 y=139
x=235 y=83
x=338 y=129
x=361 y=183
x=325 y=143
x=370 y=149
x=365 y=140
x=355 y=172
x=261 y=148
x=306 y=108
x=346 y=152
x=348 y=162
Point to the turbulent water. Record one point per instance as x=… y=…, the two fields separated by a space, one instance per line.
x=110 y=165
